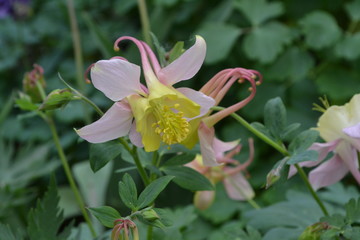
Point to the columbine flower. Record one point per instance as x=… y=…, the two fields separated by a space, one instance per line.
x=162 y=113
x=339 y=126
x=230 y=173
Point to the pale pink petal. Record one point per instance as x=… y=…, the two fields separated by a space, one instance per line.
x=186 y=66
x=221 y=147
x=353 y=131
x=135 y=136
x=206 y=139
x=349 y=156
x=328 y=173
x=237 y=187
x=322 y=148
x=115 y=123
x=116 y=78
x=204 y=101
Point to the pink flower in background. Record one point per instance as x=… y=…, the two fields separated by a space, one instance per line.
x=229 y=172
x=339 y=126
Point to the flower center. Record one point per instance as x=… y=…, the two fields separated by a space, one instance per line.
x=171 y=124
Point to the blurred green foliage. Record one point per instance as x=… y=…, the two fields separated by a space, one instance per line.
x=303 y=49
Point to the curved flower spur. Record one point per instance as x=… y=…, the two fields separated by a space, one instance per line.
x=157 y=113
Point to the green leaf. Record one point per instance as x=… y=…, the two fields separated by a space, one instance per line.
x=260 y=10
x=261 y=128
x=188 y=178
x=220 y=39
x=329 y=84
x=176 y=51
x=294 y=64
x=234 y=230
x=106 y=215
x=45 y=220
x=287 y=218
x=152 y=191
x=275 y=117
x=181 y=159
x=353 y=211
x=309 y=155
x=6 y=233
x=353 y=10
x=221 y=12
x=289 y=131
x=159 y=49
x=349 y=47
x=266 y=42
x=320 y=29
x=102 y=153
x=303 y=141
x=128 y=192
x=24 y=103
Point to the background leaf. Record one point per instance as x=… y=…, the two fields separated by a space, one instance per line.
x=320 y=29
x=266 y=42
x=188 y=178
x=102 y=153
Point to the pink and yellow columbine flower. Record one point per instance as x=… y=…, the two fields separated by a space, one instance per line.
x=158 y=113
x=162 y=113
x=229 y=172
x=339 y=126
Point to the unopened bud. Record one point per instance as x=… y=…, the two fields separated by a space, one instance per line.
x=204 y=199
x=30 y=82
x=150 y=215
x=56 y=99
x=274 y=175
x=314 y=231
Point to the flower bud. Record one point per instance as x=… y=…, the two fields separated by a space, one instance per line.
x=204 y=199
x=150 y=215
x=30 y=82
x=314 y=231
x=56 y=99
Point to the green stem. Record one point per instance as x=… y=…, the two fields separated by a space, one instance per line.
x=256 y=132
x=150 y=232
x=282 y=150
x=145 y=21
x=77 y=52
x=312 y=191
x=68 y=173
x=136 y=158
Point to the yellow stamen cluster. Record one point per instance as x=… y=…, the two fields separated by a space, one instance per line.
x=171 y=126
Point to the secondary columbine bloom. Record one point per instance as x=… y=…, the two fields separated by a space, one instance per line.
x=230 y=173
x=216 y=88
x=339 y=126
